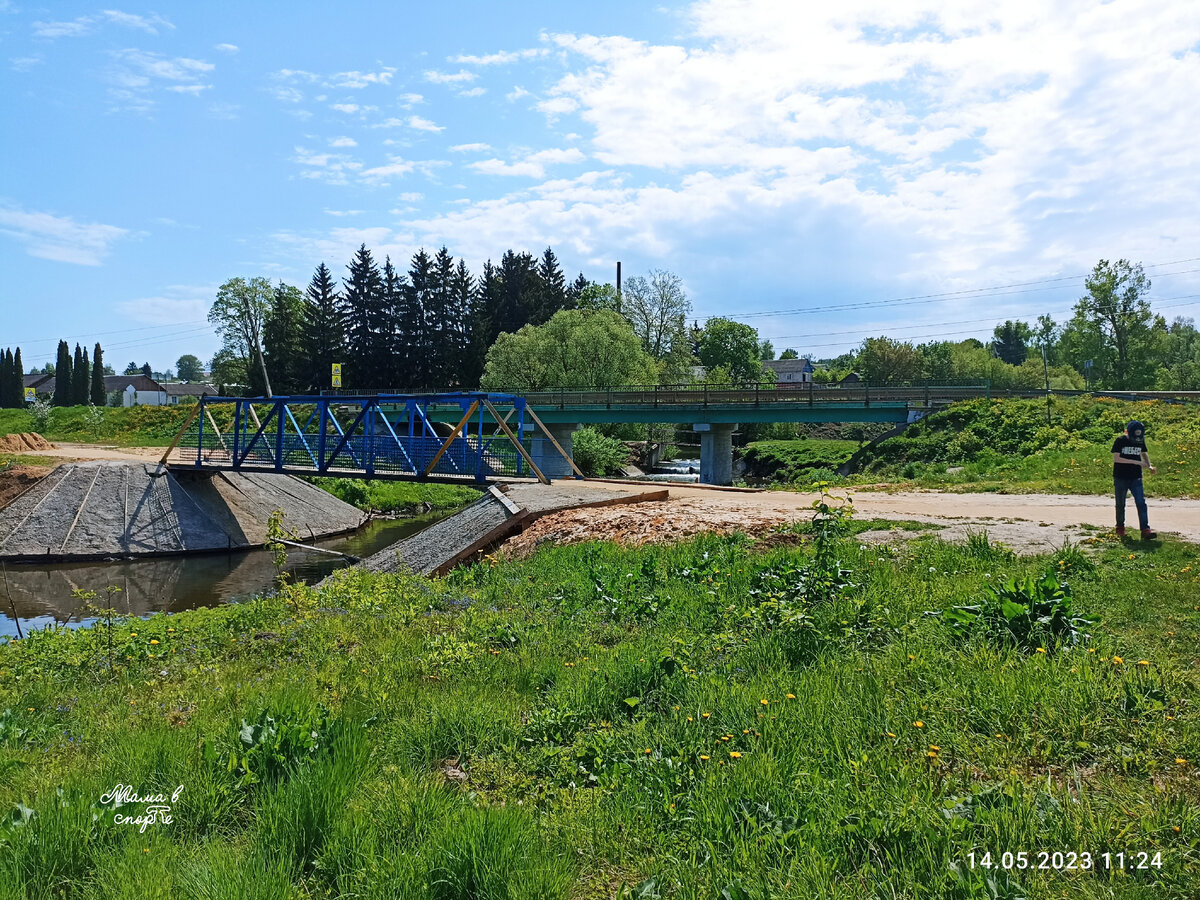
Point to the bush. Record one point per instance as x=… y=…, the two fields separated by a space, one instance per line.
x=1028 y=615
x=597 y=455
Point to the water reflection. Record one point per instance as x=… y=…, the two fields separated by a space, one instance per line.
x=44 y=595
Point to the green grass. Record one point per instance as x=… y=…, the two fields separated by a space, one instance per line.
x=677 y=718
x=1006 y=445
x=796 y=460
x=133 y=426
x=398 y=497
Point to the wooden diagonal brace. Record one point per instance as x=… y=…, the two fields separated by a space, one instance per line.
x=567 y=456
x=516 y=443
x=186 y=422
x=450 y=440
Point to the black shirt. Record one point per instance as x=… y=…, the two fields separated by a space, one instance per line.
x=1129 y=448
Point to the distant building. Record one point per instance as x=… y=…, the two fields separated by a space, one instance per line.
x=851 y=380
x=790 y=371
x=183 y=390
x=42 y=383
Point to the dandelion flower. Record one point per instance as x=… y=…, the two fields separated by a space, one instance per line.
x=935 y=748
x=889 y=734
x=918 y=724
x=648 y=751
x=153 y=640
x=690 y=719
x=791 y=696
x=745 y=731
x=910 y=656
x=1117 y=660
x=1181 y=761
x=932 y=754
x=705 y=715
x=133 y=634
x=764 y=702
x=1041 y=649
x=703 y=757
x=1143 y=662
x=733 y=754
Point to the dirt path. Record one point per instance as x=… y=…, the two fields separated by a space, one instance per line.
x=100 y=451
x=1028 y=523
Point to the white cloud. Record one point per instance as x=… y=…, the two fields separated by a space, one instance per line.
x=421 y=124
x=411 y=197
x=533 y=166
x=397 y=167
x=226 y=48
x=500 y=167
x=59 y=238
x=135 y=74
x=409 y=100
x=516 y=94
x=343 y=142
x=502 y=58
x=86 y=24
x=449 y=77
x=343 y=212
x=355 y=80
x=331 y=168
x=473 y=92
x=470 y=148
x=24 y=63
x=180 y=304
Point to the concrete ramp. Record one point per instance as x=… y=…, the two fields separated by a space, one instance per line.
x=497 y=514
x=94 y=510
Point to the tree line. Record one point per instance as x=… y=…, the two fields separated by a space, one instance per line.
x=428 y=327
x=1113 y=327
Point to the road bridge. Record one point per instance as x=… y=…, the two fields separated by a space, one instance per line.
x=479 y=436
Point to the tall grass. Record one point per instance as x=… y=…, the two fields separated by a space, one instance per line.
x=700 y=720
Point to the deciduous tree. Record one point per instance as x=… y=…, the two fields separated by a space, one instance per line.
x=239 y=314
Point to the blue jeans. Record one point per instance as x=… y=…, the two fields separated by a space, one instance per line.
x=1133 y=486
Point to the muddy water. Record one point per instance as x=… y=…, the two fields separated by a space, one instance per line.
x=45 y=595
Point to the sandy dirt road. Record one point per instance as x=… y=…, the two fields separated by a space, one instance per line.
x=1028 y=523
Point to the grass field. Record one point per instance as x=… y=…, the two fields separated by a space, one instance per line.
x=1006 y=445
x=716 y=719
x=397 y=497
x=133 y=426
x=796 y=460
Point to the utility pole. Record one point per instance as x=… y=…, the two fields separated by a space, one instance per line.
x=1046 y=372
x=618 y=285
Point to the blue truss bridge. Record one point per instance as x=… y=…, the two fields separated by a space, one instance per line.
x=476 y=436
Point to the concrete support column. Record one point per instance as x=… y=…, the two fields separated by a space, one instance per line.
x=716 y=453
x=548 y=459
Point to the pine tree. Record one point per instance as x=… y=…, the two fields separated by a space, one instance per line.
x=147 y=371
x=324 y=336
x=462 y=294
x=18 y=385
x=393 y=347
x=62 y=376
x=360 y=310
x=6 y=380
x=80 y=378
x=550 y=290
x=575 y=291
x=99 y=394
x=520 y=289
x=416 y=323
x=440 y=322
x=283 y=339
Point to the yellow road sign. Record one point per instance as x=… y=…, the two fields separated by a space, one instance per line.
x=30 y=394
x=337 y=370
x=337 y=380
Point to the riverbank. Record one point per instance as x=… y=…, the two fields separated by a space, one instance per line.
x=559 y=726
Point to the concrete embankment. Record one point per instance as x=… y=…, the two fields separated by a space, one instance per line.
x=499 y=513
x=95 y=510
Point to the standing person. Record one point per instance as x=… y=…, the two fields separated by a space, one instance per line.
x=1129 y=458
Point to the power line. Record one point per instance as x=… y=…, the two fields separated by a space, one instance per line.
x=94 y=334
x=941 y=297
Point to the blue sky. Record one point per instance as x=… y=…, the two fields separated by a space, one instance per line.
x=777 y=155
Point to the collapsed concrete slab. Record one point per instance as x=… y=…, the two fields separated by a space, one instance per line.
x=96 y=510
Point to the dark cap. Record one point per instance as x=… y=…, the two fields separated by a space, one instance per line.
x=1133 y=426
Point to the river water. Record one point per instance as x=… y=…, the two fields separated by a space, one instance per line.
x=45 y=595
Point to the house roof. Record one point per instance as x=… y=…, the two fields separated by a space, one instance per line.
x=37 y=379
x=780 y=366
x=188 y=389
x=139 y=382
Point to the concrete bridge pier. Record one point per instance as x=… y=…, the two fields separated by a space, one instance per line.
x=549 y=460
x=716 y=452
